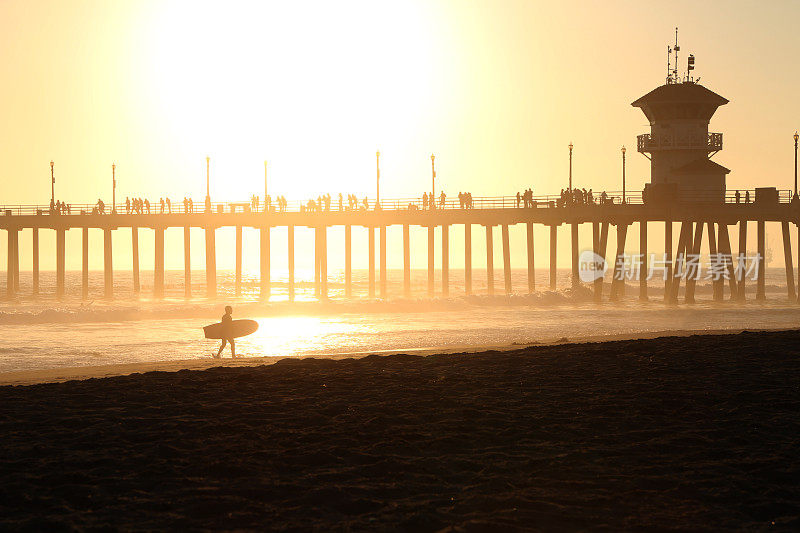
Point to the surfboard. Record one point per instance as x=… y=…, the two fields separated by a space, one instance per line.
x=238 y=328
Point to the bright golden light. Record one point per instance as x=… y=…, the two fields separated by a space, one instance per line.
x=320 y=85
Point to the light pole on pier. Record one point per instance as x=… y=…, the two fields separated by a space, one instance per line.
x=433 y=183
x=623 y=174
x=113 y=188
x=208 y=184
x=796 y=136
x=570 y=166
x=378 y=179
x=52 y=186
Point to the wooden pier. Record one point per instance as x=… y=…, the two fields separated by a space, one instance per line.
x=693 y=219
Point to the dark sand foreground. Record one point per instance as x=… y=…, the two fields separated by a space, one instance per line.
x=678 y=433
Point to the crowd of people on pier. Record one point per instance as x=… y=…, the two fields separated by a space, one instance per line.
x=351 y=202
x=60 y=208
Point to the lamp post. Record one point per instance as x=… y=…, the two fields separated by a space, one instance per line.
x=208 y=184
x=570 y=166
x=623 y=174
x=433 y=183
x=52 y=187
x=378 y=178
x=113 y=188
x=796 y=136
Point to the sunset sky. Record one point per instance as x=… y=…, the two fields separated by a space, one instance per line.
x=496 y=90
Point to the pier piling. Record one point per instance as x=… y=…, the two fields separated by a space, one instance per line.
x=290 y=257
x=406 y=262
x=211 y=262
x=506 y=259
x=643 y=265
x=382 y=262
x=108 y=265
x=35 y=265
x=135 y=259
x=553 y=255
x=760 y=283
x=467 y=259
x=238 y=280
x=531 y=264
x=740 y=293
x=371 y=232
x=445 y=261
x=158 y=263
x=264 y=263
x=787 y=258
x=574 y=231
x=430 y=261
x=85 y=263
x=187 y=262
x=489 y=262
x=348 y=265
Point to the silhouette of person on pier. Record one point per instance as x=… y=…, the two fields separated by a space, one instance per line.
x=227 y=321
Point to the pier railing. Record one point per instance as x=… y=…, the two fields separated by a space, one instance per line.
x=367 y=204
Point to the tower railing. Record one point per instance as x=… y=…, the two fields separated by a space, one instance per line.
x=647 y=142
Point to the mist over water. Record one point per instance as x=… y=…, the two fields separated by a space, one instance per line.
x=50 y=333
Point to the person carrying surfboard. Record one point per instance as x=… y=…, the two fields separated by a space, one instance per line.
x=227 y=334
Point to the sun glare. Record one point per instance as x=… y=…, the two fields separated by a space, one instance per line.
x=314 y=83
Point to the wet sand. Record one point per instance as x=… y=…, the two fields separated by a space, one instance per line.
x=697 y=432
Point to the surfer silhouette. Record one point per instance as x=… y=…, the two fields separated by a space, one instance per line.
x=227 y=334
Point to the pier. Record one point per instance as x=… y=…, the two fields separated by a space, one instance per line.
x=695 y=221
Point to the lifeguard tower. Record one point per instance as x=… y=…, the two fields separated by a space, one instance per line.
x=679 y=144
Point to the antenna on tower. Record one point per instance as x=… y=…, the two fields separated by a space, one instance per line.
x=677 y=49
x=669 y=67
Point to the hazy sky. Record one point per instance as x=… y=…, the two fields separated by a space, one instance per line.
x=495 y=89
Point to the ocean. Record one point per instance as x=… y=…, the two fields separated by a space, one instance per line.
x=47 y=333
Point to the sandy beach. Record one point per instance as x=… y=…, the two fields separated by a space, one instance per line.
x=684 y=433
